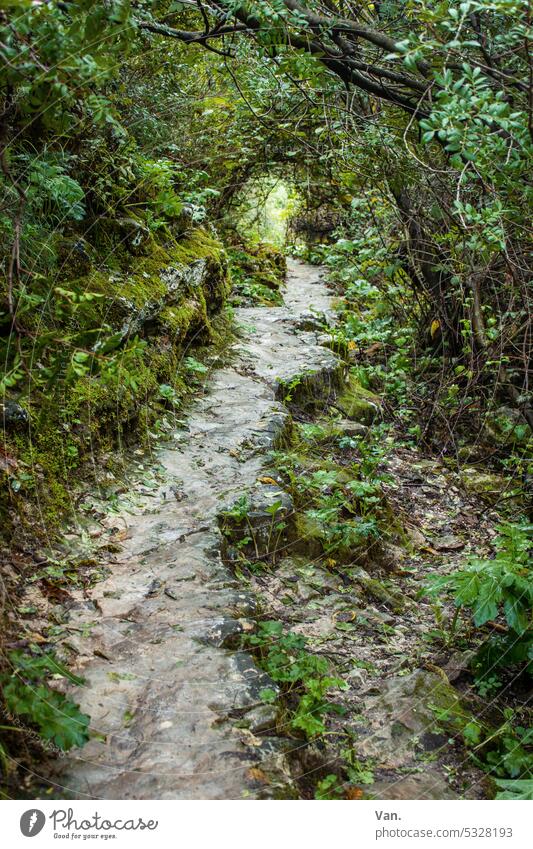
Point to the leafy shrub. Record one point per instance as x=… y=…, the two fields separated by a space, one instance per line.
x=28 y=698
x=503 y=587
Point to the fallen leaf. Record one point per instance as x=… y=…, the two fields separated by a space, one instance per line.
x=344 y=616
x=354 y=793
x=56 y=594
x=256 y=774
x=37 y=638
x=119 y=536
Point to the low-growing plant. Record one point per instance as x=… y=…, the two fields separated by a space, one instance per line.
x=329 y=788
x=516 y=790
x=263 y=538
x=195 y=366
x=304 y=678
x=346 y=512
x=498 y=587
x=358 y=771
x=28 y=698
x=505 y=752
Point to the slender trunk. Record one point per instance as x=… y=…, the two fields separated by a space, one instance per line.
x=428 y=264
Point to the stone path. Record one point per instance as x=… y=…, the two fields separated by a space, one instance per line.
x=161 y=685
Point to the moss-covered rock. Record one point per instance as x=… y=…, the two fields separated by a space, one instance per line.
x=309 y=535
x=75 y=256
x=311 y=389
x=507 y=427
x=379 y=591
x=405 y=717
x=331 y=430
x=357 y=403
x=491 y=487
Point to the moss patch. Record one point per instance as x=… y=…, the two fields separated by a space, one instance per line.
x=357 y=403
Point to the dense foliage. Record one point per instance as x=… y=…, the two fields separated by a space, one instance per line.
x=401 y=135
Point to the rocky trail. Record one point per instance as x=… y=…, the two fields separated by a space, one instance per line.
x=160 y=684
x=175 y=704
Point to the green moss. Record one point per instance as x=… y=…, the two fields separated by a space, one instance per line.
x=140 y=279
x=310 y=537
x=357 y=403
x=197 y=244
x=180 y=320
x=443 y=700
x=379 y=592
x=309 y=389
x=489 y=486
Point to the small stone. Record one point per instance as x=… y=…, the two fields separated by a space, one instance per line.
x=489 y=486
x=311 y=322
x=186 y=576
x=154 y=588
x=448 y=542
x=416 y=536
x=458 y=663
x=13 y=416
x=261 y=718
x=430 y=785
x=306 y=592
x=350 y=428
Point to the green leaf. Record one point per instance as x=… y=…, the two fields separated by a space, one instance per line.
x=518 y=789
x=268 y=695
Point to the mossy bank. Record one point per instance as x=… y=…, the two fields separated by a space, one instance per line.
x=114 y=335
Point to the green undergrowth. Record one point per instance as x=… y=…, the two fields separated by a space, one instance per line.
x=29 y=700
x=438 y=401
x=304 y=679
x=37 y=718
x=258 y=272
x=498 y=591
x=335 y=482
x=323 y=496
